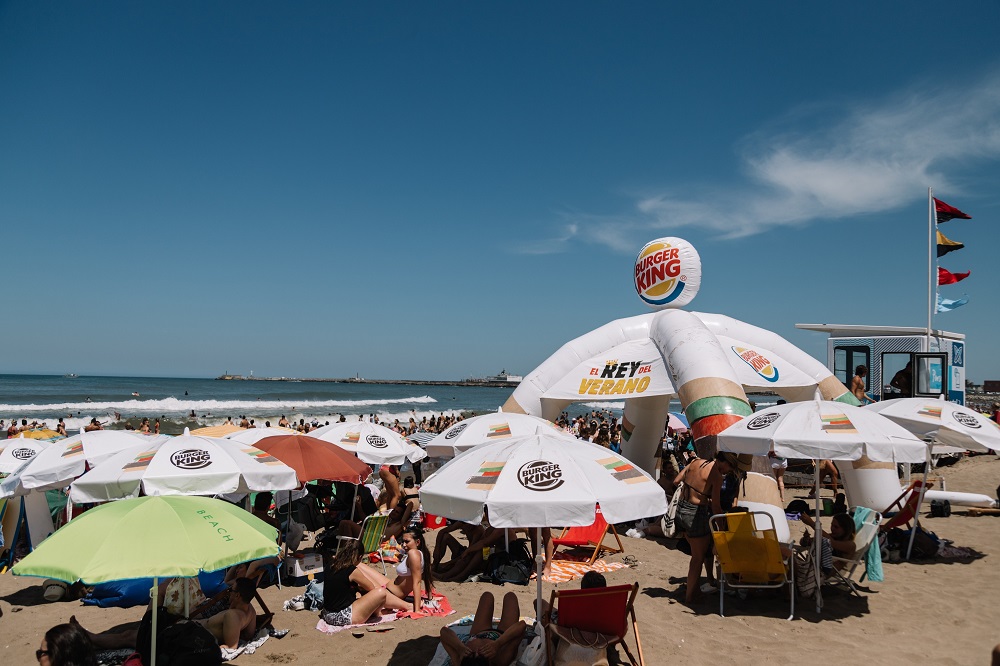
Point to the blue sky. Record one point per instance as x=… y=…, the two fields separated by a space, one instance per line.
x=438 y=190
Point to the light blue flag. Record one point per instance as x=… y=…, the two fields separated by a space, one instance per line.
x=949 y=304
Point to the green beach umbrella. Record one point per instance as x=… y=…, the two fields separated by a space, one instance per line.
x=160 y=536
x=166 y=536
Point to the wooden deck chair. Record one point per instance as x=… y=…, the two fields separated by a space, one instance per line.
x=372 y=534
x=221 y=600
x=591 y=536
x=748 y=555
x=903 y=509
x=606 y=611
x=844 y=568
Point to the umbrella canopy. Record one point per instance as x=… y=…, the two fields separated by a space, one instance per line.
x=421 y=438
x=151 y=536
x=822 y=429
x=313 y=458
x=942 y=421
x=370 y=442
x=217 y=431
x=62 y=461
x=478 y=430
x=253 y=435
x=40 y=433
x=677 y=422
x=17 y=451
x=184 y=465
x=543 y=480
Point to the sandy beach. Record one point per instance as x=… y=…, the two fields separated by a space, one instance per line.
x=929 y=610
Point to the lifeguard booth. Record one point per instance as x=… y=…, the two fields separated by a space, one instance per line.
x=902 y=362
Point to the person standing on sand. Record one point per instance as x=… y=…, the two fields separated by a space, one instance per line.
x=858 y=385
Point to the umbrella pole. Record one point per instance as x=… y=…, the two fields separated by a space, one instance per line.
x=817 y=537
x=539 y=558
x=920 y=501
x=154 y=596
x=187 y=598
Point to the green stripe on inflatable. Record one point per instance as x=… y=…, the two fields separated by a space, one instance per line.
x=848 y=399
x=720 y=404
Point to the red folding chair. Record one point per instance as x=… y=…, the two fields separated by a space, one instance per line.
x=905 y=506
x=605 y=611
x=591 y=536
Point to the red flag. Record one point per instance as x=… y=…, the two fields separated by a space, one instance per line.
x=944 y=212
x=947 y=277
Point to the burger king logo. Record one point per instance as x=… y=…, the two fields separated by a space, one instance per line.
x=667 y=273
x=456 y=430
x=540 y=475
x=965 y=419
x=758 y=362
x=376 y=441
x=190 y=459
x=762 y=421
x=23 y=453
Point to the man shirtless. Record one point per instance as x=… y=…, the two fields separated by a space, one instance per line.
x=240 y=621
x=858 y=385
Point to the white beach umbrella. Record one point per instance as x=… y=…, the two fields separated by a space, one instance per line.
x=253 y=435
x=370 y=442
x=185 y=465
x=941 y=422
x=821 y=429
x=482 y=429
x=66 y=459
x=17 y=451
x=542 y=480
x=547 y=479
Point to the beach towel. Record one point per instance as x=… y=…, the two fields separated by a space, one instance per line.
x=569 y=567
x=250 y=646
x=525 y=656
x=873 y=559
x=436 y=606
x=333 y=629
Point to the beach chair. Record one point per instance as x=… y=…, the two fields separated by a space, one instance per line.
x=591 y=536
x=605 y=611
x=372 y=534
x=904 y=508
x=844 y=568
x=749 y=555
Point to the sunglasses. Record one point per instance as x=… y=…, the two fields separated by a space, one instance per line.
x=41 y=653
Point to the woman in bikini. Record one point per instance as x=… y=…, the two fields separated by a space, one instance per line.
x=483 y=644
x=413 y=573
x=703 y=488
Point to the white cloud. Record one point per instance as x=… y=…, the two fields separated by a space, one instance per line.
x=874 y=157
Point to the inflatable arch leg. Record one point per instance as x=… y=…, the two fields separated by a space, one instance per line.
x=710 y=394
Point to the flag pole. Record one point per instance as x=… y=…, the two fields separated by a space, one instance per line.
x=931 y=287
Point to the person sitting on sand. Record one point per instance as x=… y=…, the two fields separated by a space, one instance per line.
x=66 y=645
x=343 y=580
x=227 y=627
x=445 y=541
x=484 y=645
x=413 y=573
x=473 y=560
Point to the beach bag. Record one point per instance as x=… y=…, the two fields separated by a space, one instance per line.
x=805 y=574
x=669 y=521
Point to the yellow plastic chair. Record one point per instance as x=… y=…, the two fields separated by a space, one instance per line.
x=748 y=555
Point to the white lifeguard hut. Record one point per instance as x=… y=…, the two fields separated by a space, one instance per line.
x=923 y=364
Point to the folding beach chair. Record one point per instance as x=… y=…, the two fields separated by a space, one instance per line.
x=591 y=536
x=844 y=568
x=600 y=610
x=372 y=534
x=903 y=509
x=748 y=555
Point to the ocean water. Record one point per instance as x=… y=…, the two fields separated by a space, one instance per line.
x=77 y=400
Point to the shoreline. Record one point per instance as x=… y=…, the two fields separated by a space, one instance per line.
x=352 y=380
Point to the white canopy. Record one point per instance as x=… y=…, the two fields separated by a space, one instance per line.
x=942 y=421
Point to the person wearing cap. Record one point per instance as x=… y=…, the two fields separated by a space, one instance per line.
x=703 y=488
